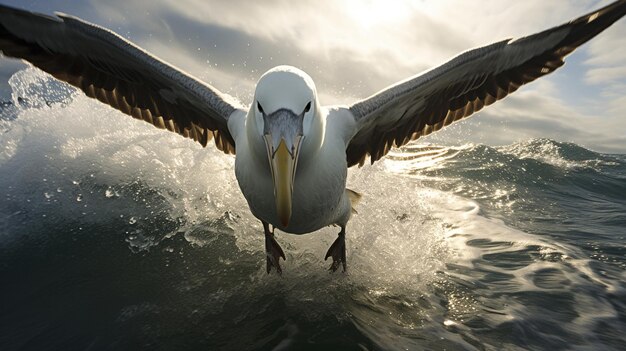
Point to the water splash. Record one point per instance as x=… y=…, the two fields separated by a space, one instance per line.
x=469 y=247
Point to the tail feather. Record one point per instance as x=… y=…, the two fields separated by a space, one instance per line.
x=355 y=198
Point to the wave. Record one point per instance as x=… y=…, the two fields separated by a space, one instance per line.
x=509 y=174
x=466 y=247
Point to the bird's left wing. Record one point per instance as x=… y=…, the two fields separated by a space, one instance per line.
x=425 y=103
x=111 y=69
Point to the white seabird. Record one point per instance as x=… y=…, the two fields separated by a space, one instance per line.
x=292 y=153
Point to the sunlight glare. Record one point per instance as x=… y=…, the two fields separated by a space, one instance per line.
x=372 y=13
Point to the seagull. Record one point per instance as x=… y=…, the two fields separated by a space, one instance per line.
x=292 y=152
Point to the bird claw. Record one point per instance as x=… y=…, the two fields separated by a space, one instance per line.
x=338 y=252
x=273 y=253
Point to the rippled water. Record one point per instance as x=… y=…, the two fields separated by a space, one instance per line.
x=116 y=235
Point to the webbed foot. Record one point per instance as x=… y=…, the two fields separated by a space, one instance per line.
x=338 y=252
x=273 y=251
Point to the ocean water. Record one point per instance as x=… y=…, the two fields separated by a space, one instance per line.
x=117 y=235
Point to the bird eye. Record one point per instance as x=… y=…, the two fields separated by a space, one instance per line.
x=258 y=105
x=307 y=108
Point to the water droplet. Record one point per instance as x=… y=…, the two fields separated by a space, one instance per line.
x=47 y=195
x=132 y=220
x=109 y=193
x=79 y=198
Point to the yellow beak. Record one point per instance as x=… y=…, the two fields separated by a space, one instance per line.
x=283 y=170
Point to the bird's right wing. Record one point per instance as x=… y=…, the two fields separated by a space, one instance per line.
x=113 y=70
x=425 y=103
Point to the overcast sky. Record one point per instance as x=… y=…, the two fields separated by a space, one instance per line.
x=355 y=48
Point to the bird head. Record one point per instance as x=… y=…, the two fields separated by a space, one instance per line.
x=284 y=109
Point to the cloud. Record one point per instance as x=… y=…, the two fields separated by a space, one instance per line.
x=533 y=112
x=354 y=48
x=607 y=60
x=605 y=75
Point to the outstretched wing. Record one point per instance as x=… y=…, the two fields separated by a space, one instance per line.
x=477 y=78
x=111 y=69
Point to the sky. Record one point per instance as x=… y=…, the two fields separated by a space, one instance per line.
x=353 y=49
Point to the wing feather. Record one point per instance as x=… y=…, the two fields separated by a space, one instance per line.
x=466 y=84
x=114 y=71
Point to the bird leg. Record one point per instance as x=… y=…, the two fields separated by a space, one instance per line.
x=273 y=251
x=338 y=251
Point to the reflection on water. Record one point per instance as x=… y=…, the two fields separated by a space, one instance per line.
x=116 y=235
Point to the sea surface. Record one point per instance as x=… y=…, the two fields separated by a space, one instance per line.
x=115 y=235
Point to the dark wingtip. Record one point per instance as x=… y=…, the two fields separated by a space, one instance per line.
x=588 y=26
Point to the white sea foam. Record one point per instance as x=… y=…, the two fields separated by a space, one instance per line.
x=57 y=148
x=410 y=245
x=553 y=153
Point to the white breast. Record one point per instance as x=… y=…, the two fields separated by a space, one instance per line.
x=319 y=196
